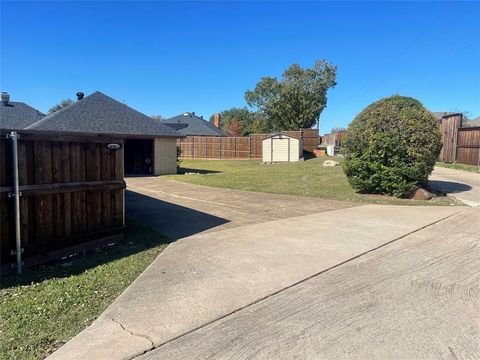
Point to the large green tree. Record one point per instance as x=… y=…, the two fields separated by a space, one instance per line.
x=296 y=100
x=249 y=122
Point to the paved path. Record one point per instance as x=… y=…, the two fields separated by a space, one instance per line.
x=462 y=185
x=415 y=298
x=179 y=209
x=206 y=279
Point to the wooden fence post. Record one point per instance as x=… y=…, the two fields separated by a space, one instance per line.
x=193 y=147
x=457 y=125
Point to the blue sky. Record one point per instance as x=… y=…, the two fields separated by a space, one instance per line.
x=170 y=57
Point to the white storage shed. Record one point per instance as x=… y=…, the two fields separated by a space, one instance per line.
x=281 y=148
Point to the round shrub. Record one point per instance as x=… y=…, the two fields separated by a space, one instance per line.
x=391 y=147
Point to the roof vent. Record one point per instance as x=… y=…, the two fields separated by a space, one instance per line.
x=5 y=97
x=80 y=95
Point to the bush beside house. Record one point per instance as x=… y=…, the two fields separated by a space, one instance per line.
x=391 y=147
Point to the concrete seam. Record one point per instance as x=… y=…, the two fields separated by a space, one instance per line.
x=300 y=282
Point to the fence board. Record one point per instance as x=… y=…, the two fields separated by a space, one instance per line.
x=237 y=148
x=459 y=144
x=468 y=146
x=72 y=192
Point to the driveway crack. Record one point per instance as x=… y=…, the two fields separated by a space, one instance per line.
x=152 y=346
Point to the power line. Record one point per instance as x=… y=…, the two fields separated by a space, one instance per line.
x=371 y=84
x=451 y=57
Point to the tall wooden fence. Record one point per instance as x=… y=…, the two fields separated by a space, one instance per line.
x=459 y=144
x=71 y=192
x=237 y=148
x=334 y=139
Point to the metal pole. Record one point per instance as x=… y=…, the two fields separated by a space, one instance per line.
x=16 y=200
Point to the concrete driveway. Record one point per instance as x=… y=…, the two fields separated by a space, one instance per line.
x=179 y=209
x=462 y=185
x=414 y=298
x=334 y=261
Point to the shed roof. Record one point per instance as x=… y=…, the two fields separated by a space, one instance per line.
x=100 y=114
x=16 y=115
x=189 y=124
x=282 y=135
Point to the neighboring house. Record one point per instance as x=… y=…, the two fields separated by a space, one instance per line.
x=472 y=123
x=150 y=147
x=189 y=124
x=16 y=115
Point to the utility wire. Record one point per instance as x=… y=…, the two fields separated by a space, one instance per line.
x=371 y=84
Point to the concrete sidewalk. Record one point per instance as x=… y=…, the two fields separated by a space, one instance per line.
x=203 y=278
x=462 y=185
x=416 y=298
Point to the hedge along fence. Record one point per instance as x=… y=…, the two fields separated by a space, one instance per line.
x=237 y=148
x=72 y=192
x=460 y=144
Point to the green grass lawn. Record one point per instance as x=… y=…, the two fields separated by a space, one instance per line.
x=458 y=166
x=305 y=178
x=43 y=308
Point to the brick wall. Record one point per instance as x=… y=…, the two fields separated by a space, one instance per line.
x=164 y=156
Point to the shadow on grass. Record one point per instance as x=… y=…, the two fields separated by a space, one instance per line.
x=184 y=170
x=138 y=238
x=307 y=155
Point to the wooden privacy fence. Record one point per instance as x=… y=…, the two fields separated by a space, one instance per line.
x=237 y=148
x=72 y=191
x=460 y=144
x=334 y=139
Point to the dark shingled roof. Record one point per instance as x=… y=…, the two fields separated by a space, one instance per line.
x=18 y=115
x=100 y=114
x=195 y=126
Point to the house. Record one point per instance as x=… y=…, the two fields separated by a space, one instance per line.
x=189 y=124
x=16 y=115
x=150 y=147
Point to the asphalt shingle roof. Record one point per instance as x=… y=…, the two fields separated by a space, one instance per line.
x=100 y=114
x=195 y=126
x=18 y=115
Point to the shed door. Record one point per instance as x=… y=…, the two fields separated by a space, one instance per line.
x=280 y=151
